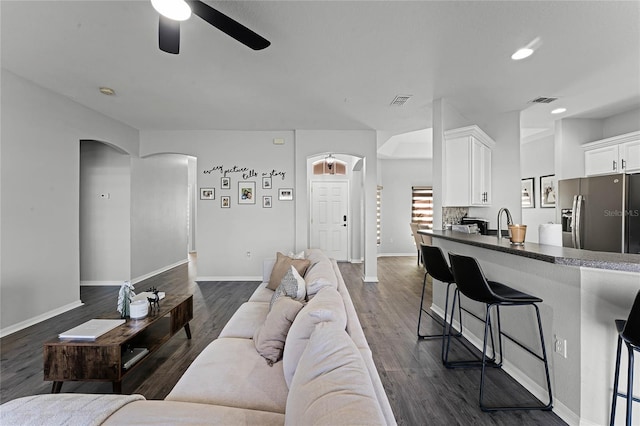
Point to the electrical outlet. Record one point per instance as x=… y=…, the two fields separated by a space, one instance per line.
x=560 y=346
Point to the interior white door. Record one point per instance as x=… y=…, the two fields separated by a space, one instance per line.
x=329 y=218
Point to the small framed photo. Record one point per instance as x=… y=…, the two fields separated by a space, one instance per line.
x=266 y=201
x=225 y=183
x=225 y=202
x=548 y=191
x=246 y=192
x=528 y=193
x=207 y=193
x=285 y=194
x=266 y=182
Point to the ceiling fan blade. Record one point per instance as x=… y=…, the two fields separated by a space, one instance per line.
x=169 y=35
x=228 y=26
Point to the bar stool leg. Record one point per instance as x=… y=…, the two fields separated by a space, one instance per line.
x=629 y=385
x=615 y=383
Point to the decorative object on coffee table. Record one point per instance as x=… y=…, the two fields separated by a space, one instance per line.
x=124 y=298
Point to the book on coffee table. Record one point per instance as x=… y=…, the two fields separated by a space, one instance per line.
x=91 y=329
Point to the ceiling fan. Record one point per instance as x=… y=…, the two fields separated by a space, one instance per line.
x=174 y=11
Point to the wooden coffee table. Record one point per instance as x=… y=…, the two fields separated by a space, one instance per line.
x=102 y=360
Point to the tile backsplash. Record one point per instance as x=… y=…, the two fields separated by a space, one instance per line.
x=453 y=215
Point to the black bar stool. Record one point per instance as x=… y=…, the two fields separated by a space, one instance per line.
x=435 y=264
x=471 y=282
x=629 y=332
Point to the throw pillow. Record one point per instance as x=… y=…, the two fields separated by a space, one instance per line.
x=282 y=265
x=269 y=338
x=292 y=285
x=296 y=255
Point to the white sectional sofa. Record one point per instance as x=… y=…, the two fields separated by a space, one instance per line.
x=326 y=375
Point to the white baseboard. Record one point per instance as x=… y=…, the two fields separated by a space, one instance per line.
x=32 y=321
x=134 y=280
x=158 y=271
x=414 y=254
x=370 y=279
x=247 y=278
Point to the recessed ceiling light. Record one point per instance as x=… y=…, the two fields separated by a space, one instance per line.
x=558 y=111
x=526 y=51
x=107 y=91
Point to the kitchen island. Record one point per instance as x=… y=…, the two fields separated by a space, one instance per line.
x=583 y=293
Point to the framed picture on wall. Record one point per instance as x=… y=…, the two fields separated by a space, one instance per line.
x=285 y=194
x=225 y=202
x=548 y=191
x=528 y=194
x=266 y=182
x=266 y=201
x=225 y=183
x=246 y=192
x=207 y=193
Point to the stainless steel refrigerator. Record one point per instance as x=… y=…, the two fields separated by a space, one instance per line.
x=600 y=213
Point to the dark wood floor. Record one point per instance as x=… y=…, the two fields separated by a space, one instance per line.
x=420 y=389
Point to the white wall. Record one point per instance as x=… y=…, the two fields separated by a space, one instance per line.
x=159 y=205
x=397 y=177
x=570 y=135
x=224 y=235
x=40 y=169
x=619 y=124
x=105 y=212
x=537 y=159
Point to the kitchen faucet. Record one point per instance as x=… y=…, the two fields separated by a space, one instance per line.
x=509 y=220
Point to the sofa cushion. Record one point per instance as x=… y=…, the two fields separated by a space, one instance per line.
x=246 y=320
x=320 y=273
x=269 y=338
x=327 y=305
x=332 y=384
x=292 y=285
x=262 y=293
x=230 y=372
x=186 y=413
x=282 y=265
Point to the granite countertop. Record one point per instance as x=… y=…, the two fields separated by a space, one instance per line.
x=545 y=253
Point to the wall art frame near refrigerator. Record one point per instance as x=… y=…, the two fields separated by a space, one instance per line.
x=528 y=193
x=207 y=193
x=225 y=202
x=246 y=192
x=548 y=191
x=225 y=183
x=267 y=201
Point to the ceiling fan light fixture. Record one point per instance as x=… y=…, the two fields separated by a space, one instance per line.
x=178 y=10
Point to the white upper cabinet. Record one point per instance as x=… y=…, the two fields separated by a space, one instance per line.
x=619 y=154
x=467 y=167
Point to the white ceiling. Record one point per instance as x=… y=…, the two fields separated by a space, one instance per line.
x=331 y=64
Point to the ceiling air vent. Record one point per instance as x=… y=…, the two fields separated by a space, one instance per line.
x=400 y=100
x=543 y=100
